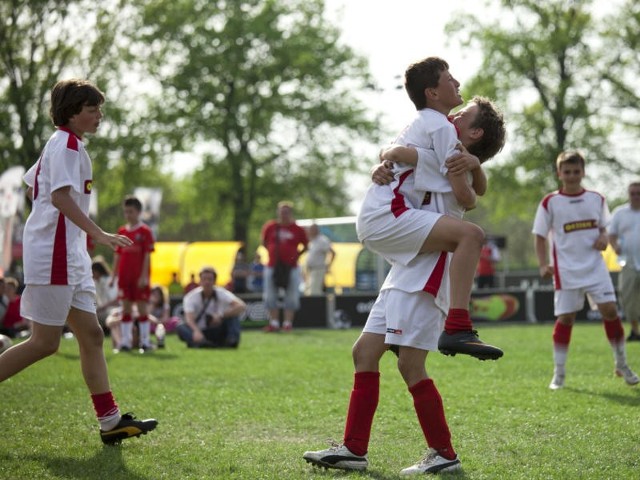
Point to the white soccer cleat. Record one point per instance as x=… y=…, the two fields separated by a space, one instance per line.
x=629 y=376
x=557 y=382
x=432 y=462
x=338 y=456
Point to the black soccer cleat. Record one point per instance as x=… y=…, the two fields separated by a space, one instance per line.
x=127 y=427
x=467 y=343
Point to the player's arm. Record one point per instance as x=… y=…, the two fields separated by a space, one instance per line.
x=399 y=154
x=540 y=244
x=602 y=241
x=615 y=244
x=143 y=281
x=463 y=191
x=466 y=162
x=61 y=199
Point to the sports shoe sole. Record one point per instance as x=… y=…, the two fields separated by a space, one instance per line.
x=118 y=434
x=339 y=465
x=480 y=356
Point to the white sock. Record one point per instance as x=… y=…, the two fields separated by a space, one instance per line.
x=274 y=323
x=126 y=329
x=110 y=422
x=144 y=328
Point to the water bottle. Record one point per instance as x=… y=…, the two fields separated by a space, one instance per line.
x=160 y=332
x=622 y=259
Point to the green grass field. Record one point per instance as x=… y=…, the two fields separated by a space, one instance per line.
x=251 y=413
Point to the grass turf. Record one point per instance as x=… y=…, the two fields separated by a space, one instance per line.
x=251 y=413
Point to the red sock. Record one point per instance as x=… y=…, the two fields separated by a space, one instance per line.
x=614 y=331
x=104 y=405
x=562 y=334
x=430 y=411
x=126 y=318
x=362 y=408
x=458 y=320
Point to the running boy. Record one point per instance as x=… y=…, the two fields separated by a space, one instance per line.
x=57 y=266
x=132 y=265
x=575 y=220
x=390 y=222
x=409 y=315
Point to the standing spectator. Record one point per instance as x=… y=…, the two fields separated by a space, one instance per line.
x=282 y=238
x=132 y=265
x=175 y=288
x=191 y=285
x=240 y=273
x=13 y=325
x=57 y=267
x=211 y=315
x=624 y=235
x=257 y=274
x=320 y=256
x=575 y=220
x=486 y=271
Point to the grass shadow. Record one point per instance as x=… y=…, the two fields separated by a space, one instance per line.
x=107 y=463
x=614 y=397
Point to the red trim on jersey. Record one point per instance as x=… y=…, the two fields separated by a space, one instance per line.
x=72 y=141
x=398 y=206
x=35 y=182
x=546 y=199
x=59 y=256
x=435 y=279
x=556 y=270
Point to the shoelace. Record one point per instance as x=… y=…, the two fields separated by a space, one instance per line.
x=334 y=445
x=428 y=457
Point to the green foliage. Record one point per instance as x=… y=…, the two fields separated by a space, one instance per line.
x=251 y=413
x=547 y=64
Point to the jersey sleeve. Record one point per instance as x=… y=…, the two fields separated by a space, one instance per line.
x=30 y=177
x=605 y=214
x=64 y=164
x=430 y=173
x=542 y=221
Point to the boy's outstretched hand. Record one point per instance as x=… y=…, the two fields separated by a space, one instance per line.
x=112 y=240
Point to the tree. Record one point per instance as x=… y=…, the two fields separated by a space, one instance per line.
x=542 y=62
x=268 y=88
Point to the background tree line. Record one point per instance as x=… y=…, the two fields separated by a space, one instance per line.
x=264 y=93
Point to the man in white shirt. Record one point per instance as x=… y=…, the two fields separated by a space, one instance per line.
x=624 y=236
x=320 y=256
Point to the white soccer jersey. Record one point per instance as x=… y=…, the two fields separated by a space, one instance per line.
x=625 y=223
x=572 y=224
x=387 y=223
x=55 y=249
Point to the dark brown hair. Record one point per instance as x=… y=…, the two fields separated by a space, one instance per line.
x=131 y=201
x=570 y=156
x=422 y=75
x=490 y=119
x=69 y=96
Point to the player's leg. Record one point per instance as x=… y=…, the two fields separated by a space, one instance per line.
x=566 y=304
x=629 y=286
x=270 y=298
x=144 y=324
x=465 y=240
x=351 y=454
x=615 y=334
x=44 y=341
x=114 y=427
x=126 y=324
x=291 y=299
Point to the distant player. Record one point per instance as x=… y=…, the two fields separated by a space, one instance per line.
x=132 y=264
x=575 y=221
x=57 y=267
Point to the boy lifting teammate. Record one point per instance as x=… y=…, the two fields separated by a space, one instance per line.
x=57 y=267
x=390 y=221
x=575 y=220
x=409 y=312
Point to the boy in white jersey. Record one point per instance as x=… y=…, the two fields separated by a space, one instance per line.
x=57 y=267
x=390 y=221
x=409 y=315
x=575 y=221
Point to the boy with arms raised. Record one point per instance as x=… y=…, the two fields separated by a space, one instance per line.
x=575 y=221
x=57 y=267
x=409 y=315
